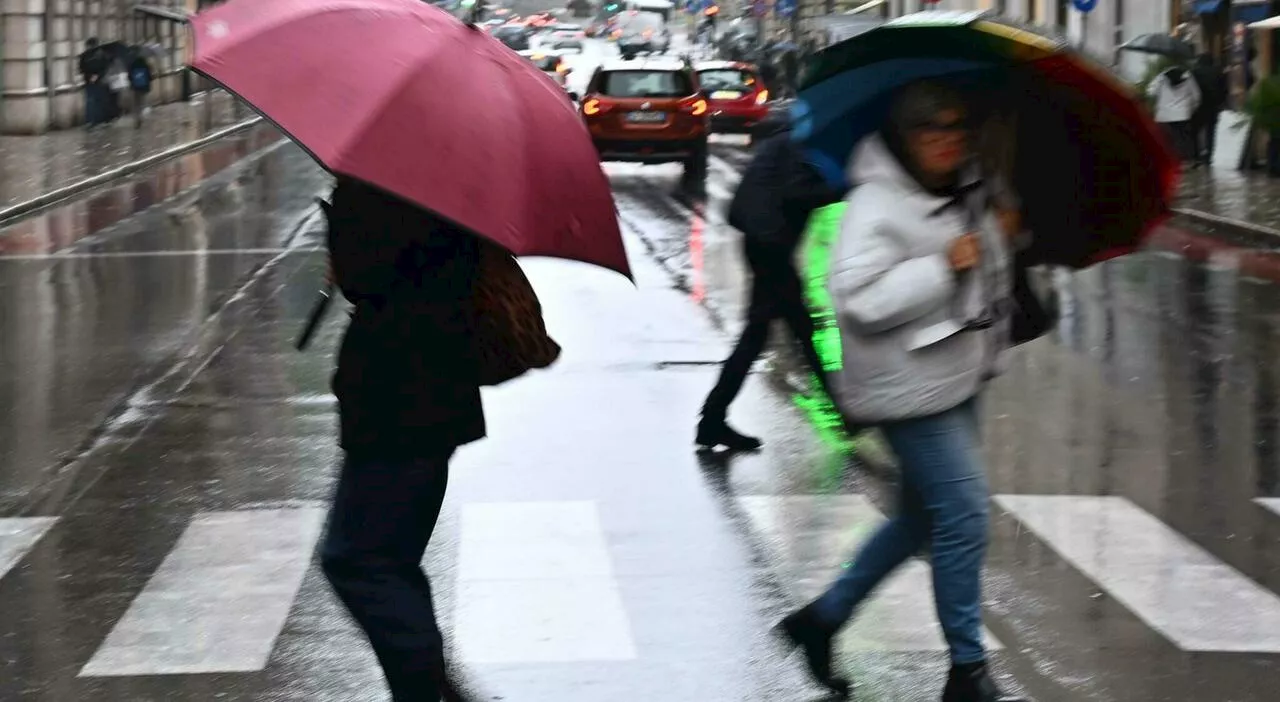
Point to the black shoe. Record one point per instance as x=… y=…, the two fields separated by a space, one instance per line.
x=803 y=629
x=973 y=683
x=712 y=433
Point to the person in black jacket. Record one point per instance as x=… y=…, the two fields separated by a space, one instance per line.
x=408 y=397
x=93 y=69
x=777 y=193
x=1214 y=92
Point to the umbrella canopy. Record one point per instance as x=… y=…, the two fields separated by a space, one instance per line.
x=1161 y=45
x=401 y=95
x=1093 y=170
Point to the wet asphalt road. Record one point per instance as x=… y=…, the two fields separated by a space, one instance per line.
x=165 y=457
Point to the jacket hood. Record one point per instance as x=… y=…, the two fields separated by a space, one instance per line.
x=873 y=162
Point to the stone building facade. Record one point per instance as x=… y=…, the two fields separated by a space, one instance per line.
x=40 y=44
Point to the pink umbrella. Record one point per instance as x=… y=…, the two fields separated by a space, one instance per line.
x=403 y=96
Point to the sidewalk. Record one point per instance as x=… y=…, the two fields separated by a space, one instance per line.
x=31 y=166
x=1249 y=197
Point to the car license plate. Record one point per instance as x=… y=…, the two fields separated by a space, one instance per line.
x=725 y=95
x=646 y=117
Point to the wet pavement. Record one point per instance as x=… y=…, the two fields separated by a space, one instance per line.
x=165 y=457
x=31 y=166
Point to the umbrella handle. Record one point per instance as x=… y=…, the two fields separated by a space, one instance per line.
x=313 y=320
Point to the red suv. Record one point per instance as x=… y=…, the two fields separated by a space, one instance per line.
x=737 y=96
x=648 y=111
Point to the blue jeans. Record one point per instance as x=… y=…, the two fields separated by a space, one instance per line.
x=943 y=504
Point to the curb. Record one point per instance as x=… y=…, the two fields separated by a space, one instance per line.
x=1268 y=235
x=14 y=213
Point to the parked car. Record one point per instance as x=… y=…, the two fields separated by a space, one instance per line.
x=551 y=64
x=514 y=36
x=566 y=36
x=648 y=111
x=737 y=97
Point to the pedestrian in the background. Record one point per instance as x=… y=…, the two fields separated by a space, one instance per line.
x=1177 y=98
x=140 y=77
x=777 y=193
x=920 y=283
x=1214 y=91
x=408 y=397
x=118 y=87
x=93 y=69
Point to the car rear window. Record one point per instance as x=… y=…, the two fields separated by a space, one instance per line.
x=639 y=83
x=726 y=79
x=546 y=63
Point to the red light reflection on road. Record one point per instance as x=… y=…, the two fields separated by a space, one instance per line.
x=696 y=224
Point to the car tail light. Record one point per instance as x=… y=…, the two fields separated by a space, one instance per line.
x=762 y=97
x=594 y=106
x=695 y=106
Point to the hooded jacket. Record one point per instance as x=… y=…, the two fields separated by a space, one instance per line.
x=916 y=338
x=1177 y=95
x=778 y=191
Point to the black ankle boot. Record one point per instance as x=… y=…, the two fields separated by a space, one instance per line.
x=804 y=629
x=716 y=432
x=971 y=682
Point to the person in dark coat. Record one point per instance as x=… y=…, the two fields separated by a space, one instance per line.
x=93 y=69
x=1214 y=92
x=140 y=78
x=408 y=397
x=777 y=193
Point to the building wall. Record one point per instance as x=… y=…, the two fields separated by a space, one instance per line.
x=40 y=85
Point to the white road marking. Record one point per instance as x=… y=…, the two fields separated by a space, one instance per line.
x=18 y=535
x=814 y=535
x=536 y=585
x=219 y=599
x=1179 y=589
x=1271 y=503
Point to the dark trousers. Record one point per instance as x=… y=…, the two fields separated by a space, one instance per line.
x=776 y=293
x=383 y=514
x=96 y=103
x=1181 y=138
x=1206 y=136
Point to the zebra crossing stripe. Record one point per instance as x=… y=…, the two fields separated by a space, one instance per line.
x=17 y=536
x=536 y=585
x=814 y=534
x=1271 y=503
x=1197 y=602
x=220 y=598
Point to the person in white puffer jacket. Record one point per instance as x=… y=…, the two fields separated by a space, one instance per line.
x=921 y=285
x=1177 y=97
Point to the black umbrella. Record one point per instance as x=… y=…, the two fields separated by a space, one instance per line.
x=1161 y=45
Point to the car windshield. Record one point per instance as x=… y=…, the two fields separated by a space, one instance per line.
x=726 y=79
x=546 y=63
x=635 y=84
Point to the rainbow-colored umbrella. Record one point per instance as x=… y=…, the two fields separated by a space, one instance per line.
x=1093 y=170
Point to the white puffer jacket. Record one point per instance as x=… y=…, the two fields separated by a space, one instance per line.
x=1174 y=102
x=909 y=348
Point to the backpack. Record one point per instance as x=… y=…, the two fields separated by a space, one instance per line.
x=140 y=77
